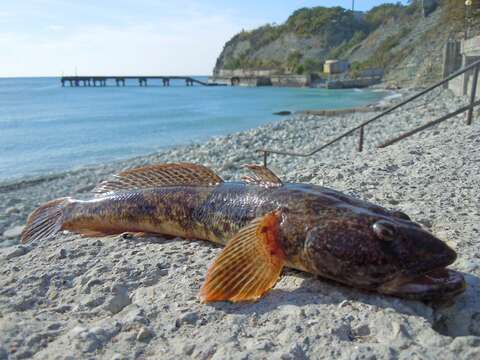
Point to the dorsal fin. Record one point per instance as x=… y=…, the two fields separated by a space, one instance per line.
x=262 y=176
x=160 y=175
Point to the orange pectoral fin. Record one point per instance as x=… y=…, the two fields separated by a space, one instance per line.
x=250 y=264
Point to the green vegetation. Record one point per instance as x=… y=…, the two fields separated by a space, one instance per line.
x=300 y=69
x=319 y=19
x=340 y=51
x=244 y=62
x=456 y=12
x=313 y=66
x=293 y=60
x=384 y=54
x=337 y=33
x=383 y=13
x=333 y=24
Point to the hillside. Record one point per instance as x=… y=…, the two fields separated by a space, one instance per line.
x=406 y=41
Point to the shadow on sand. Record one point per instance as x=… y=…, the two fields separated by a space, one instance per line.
x=458 y=317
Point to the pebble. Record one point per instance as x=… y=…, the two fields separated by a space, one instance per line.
x=12 y=210
x=144 y=334
x=62 y=254
x=13 y=232
x=118 y=300
x=142 y=299
x=189 y=318
x=19 y=251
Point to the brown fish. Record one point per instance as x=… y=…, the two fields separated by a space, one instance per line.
x=265 y=226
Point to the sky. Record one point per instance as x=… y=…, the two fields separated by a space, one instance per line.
x=135 y=37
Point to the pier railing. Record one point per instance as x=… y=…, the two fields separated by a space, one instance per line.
x=475 y=66
x=76 y=81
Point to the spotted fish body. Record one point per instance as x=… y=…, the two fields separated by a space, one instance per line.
x=266 y=225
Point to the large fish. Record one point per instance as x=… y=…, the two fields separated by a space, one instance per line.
x=265 y=226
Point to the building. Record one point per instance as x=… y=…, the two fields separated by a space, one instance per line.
x=336 y=66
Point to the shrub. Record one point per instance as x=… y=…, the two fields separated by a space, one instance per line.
x=312 y=65
x=379 y=15
x=293 y=60
x=300 y=69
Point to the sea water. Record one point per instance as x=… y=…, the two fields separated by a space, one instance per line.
x=48 y=128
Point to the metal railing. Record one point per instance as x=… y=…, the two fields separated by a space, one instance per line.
x=472 y=103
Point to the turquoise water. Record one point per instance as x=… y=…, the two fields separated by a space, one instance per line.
x=47 y=128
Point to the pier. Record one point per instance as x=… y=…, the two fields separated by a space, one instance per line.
x=101 y=81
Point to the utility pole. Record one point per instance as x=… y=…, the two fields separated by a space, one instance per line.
x=353 y=5
x=468 y=5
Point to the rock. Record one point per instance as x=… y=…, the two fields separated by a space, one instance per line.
x=144 y=334
x=343 y=332
x=362 y=330
x=296 y=352
x=19 y=251
x=62 y=254
x=13 y=232
x=12 y=210
x=189 y=318
x=282 y=113
x=118 y=300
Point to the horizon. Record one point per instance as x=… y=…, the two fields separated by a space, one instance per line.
x=52 y=38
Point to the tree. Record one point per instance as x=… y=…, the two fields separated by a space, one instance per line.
x=300 y=69
x=293 y=60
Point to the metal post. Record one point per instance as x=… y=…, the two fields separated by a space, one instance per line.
x=265 y=155
x=473 y=94
x=360 y=140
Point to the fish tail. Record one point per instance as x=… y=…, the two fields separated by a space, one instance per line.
x=46 y=221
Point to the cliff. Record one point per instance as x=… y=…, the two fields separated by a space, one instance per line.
x=406 y=41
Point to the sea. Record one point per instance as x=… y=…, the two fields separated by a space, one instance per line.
x=47 y=128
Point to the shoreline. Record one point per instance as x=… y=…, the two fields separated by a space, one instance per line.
x=9 y=184
x=229 y=152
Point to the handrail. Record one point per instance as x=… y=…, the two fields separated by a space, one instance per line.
x=475 y=65
x=427 y=125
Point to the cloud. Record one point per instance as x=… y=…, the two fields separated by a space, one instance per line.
x=55 y=27
x=185 y=42
x=6 y=16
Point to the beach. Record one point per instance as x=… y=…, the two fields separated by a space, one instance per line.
x=117 y=298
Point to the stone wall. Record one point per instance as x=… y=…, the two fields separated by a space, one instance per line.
x=291 y=80
x=353 y=83
x=468 y=51
x=452 y=57
x=257 y=80
x=244 y=73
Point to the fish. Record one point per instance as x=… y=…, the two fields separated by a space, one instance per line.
x=265 y=225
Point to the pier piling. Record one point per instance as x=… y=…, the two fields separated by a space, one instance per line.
x=101 y=81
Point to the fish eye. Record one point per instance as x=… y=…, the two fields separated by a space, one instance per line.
x=384 y=230
x=401 y=215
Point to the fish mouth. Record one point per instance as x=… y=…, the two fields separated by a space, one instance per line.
x=438 y=284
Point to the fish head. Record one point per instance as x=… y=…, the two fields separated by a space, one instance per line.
x=372 y=248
